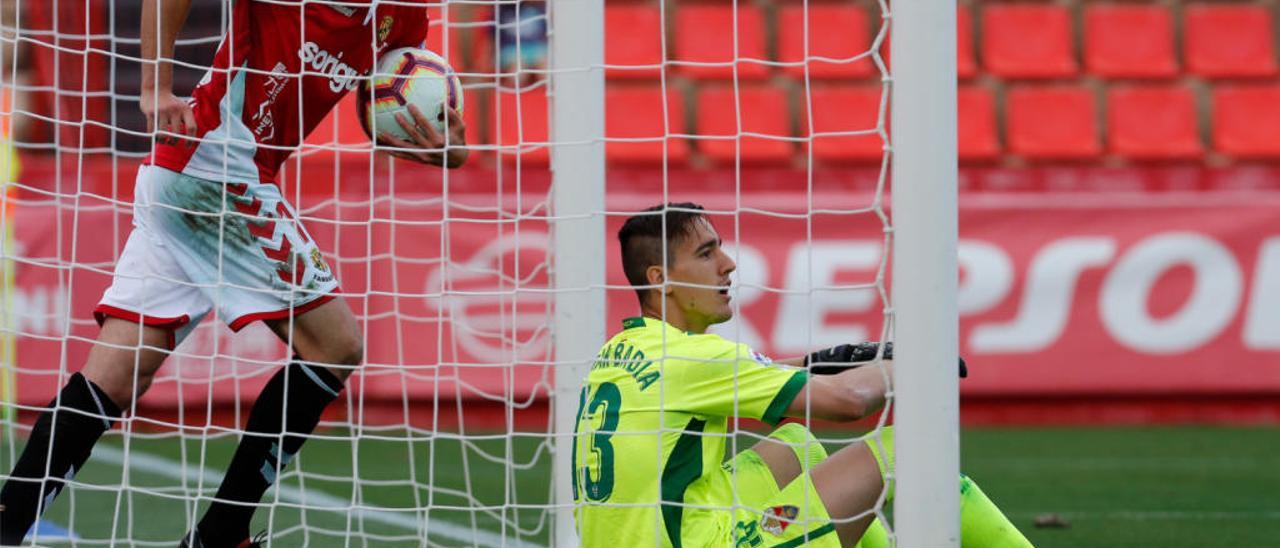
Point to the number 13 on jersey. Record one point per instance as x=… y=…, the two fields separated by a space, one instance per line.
x=595 y=475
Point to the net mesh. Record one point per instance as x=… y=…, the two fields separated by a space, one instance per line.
x=757 y=110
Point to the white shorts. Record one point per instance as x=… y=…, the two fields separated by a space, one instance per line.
x=251 y=259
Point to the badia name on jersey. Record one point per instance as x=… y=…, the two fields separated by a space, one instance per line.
x=627 y=358
x=341 y=75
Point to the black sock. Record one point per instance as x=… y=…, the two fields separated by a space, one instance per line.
x=74 y=422
x=253 y=468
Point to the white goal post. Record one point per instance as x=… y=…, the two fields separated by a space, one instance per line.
x=925 y=317
x=576 y=41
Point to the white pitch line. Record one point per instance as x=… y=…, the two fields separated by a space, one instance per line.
x=1157 y=515
x=153 y=464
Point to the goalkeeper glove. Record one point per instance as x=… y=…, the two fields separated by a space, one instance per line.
x=849 y=356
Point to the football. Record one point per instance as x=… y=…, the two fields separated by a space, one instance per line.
x=403 y=77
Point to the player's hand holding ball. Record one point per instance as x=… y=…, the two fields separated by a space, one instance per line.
x=414 y=104
x=849 y=356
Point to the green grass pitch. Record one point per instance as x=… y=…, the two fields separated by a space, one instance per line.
x=1114 y=487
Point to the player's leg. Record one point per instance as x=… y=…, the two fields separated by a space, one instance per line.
x=875 y=537
x=849 y=485
x=982 y=524
x=301 y=308
x=782 y=453
x=786 y=448
x=126 y=359
x=328 y=337
x=827 y=505
x=771 y=486
x=64 y=435
x=147 y=310
x=327 y=342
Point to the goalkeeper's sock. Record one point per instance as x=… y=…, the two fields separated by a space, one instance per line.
x=982 y=523
x=72 y=425
x=292 y=411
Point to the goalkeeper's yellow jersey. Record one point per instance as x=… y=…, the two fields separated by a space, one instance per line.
x=651 y=434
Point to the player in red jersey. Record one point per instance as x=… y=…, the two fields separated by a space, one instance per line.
x=212 y=231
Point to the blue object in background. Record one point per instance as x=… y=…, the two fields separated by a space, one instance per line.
x=522 y=36
x=48 y=530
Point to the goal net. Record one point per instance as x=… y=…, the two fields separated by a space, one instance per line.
x=484 y=292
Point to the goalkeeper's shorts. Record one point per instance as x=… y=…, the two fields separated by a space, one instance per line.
x=198 y=245
x=770 y=515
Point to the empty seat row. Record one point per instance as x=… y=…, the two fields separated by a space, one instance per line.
x=1128 y=41
x=761 y=124
x=1018 y=40
x=1147 y=122
x=718 y=41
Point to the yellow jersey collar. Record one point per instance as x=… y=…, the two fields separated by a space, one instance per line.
x=642 y=321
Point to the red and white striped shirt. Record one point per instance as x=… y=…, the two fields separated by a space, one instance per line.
x=279 y=70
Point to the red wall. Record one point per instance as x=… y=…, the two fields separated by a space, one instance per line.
x=1076 y=307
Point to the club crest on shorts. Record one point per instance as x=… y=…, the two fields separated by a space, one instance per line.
x=322 y=273
x=776 y=519
x=317 y=260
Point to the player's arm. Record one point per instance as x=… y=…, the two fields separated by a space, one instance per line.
x=161 y=21
x=846 y=396
x=428 y=146
x=830 y=361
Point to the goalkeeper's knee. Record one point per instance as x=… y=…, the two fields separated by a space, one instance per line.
x=806 y=447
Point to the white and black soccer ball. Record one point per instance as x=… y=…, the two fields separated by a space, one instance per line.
x=403 y=77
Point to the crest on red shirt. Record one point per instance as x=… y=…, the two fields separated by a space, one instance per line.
x=384 y=28
x=776 y=520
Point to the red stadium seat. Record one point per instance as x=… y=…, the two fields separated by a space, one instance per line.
x=1028 y=41
x=633 y=38
x=977 y=123
x=1129 y=41
x=763 y=110
x=704 y=34
x=844 y=109
x=1246 y=120
x=1052 y=122
x=519 y=124
x=837 y=31
x=636 y=112
x=1229 y=40
x=1153 y=122
x=966 y=65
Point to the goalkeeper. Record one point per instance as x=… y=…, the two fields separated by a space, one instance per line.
x=212 y=230
x=648 y=459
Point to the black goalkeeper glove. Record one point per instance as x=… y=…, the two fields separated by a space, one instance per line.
x=843 y=357
x=850 y=356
